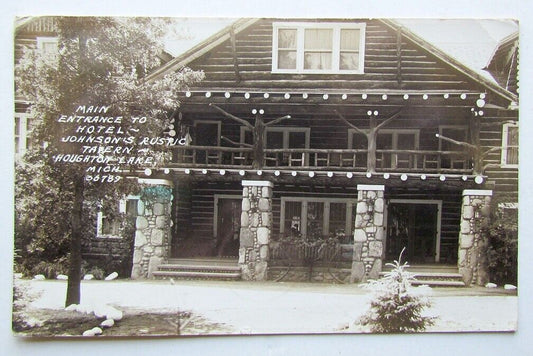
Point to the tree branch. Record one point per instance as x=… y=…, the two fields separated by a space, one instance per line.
x=279 y=119
x=490 y=150
x=233 y=117
x=350 y=124
x=460 y=143
x=388 y=120
x=242 y=144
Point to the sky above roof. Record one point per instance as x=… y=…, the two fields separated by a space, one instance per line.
x=471 y=41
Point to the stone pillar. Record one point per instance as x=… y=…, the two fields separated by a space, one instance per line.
x=152 y=234
x=473 y=246
x=368 y=233
x=256 y=229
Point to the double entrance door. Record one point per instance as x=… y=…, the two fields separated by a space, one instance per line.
x=415 y=226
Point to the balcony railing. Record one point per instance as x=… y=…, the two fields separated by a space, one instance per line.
x=422 y=161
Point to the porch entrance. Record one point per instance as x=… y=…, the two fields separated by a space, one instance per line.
x=228 y=224
x=415 y=225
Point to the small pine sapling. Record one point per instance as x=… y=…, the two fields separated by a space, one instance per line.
x=397 y=306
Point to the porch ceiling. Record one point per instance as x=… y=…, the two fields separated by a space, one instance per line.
x=297 y=177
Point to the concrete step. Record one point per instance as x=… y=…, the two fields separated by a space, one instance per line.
x=204 y=261
x=197 y=275
x=199 y=268
x=433 y=283
x=434 y=275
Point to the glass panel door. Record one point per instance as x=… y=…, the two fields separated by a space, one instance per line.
x=453 y=161
x=405 y=141
x=384 y=142
x=297 y=139
x=315 y=220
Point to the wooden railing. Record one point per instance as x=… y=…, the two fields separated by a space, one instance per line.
x=212 y=156
x=422 y=161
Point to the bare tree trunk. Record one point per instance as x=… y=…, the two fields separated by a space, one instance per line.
x=74 y=273
x=371 y=154
x=259 y=144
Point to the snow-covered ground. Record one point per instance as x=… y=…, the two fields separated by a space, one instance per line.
x=274 y=308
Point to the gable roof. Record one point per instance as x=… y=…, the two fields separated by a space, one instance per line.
x=503 y=45
x=448 y=59
x=242 y=24
x=202 y=48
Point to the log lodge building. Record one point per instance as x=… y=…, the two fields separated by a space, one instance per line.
x=320 y=149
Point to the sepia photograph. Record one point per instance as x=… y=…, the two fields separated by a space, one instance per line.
x=217 y=176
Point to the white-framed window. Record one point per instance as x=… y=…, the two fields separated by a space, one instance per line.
x=23 y=130
x=510 y=145
x=317 y=217
x=47 y=46
x=316 y=48
x=107 y=227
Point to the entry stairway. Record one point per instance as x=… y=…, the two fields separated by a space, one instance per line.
x=434 y=275
x=199 y=268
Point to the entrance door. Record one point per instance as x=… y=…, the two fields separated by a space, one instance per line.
x=415 y=227
x=228 y=227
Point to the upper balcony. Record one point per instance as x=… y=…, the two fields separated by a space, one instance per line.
x=344 y=160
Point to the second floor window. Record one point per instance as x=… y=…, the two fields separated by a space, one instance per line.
x=510 y=145
x=318 y=48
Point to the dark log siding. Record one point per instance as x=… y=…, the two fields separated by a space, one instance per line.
x=201 y=210
x=505 y=179
x=419 y=70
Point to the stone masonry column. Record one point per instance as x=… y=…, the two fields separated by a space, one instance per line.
x=472 y=255
x=256 y=229
x=368 y=233
x=152 y=234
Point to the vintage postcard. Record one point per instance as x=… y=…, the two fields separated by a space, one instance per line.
x=251 y=176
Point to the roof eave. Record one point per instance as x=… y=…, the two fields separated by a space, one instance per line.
x=451 y=61
x=201 y=48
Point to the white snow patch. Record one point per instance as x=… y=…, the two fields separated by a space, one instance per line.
x=89 y=332
x=278 y=308
x=112 y=276
x=72 y=307
x=39 y=277
x=62 y=277
x=88 y=277
x=107 y=323
x=509 y=287
x=491 y=285
x=96 y=330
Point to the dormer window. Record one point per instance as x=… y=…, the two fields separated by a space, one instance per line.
x=317 y=48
